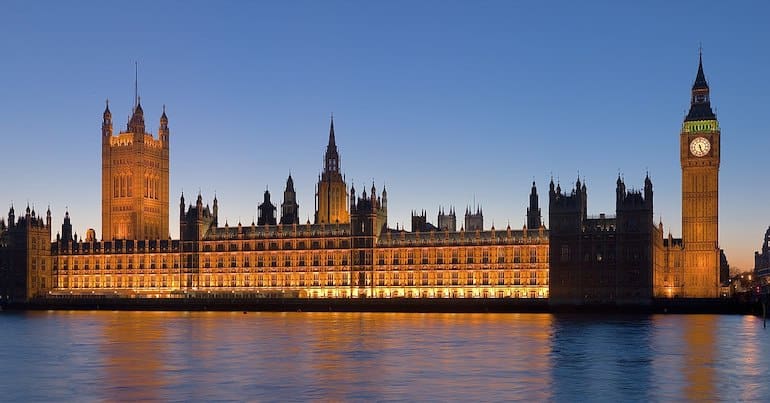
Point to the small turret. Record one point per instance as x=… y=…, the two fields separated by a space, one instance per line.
x=534 y=217
x=384 y=203
x=266 y=211
x=163 y=131
x=107 y=120
x=66 y=231
x=648 y=190
x=181 y=207
x=215 y=210
x=374 y=194
x=11 y=217
x=289 y=207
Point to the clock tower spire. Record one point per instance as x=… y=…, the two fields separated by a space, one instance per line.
x=700 y=156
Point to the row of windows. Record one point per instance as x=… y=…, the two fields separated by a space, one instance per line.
x=298 y=280
x=286 y=245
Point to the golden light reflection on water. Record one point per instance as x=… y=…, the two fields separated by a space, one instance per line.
x=372 y=356
x=698 y=366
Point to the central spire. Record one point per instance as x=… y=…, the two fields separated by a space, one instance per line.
x=332 y=157
x=332 y=142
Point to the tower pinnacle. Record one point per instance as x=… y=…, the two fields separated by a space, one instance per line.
x=700 y=104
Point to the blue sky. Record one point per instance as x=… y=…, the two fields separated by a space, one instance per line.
x=444 y=102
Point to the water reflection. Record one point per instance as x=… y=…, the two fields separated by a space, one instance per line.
x=374 y=356
x=698 y=366
x=601 y=356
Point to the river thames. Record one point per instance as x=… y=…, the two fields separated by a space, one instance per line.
x=205 y=356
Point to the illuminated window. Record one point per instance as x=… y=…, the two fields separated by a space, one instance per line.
x=345 y=279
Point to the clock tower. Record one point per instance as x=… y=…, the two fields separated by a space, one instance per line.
x=699 y=153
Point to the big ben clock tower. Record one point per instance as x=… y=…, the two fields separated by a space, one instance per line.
x=699 y=145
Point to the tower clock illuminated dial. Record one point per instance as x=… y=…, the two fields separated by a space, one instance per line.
x=700 y=146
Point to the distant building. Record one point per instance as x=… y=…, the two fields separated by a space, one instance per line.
x=724 y=268
x=762 y=261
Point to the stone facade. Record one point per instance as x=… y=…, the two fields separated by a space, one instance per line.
x=135 y=175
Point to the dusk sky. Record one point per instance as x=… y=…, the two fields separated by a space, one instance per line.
x=443 y=102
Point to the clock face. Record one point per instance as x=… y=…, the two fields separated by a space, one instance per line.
x=700 y=146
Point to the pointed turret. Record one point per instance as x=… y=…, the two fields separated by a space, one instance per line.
x=66 y=230
x=215 y=210
x=648 y=190
x=181 y=207
x=163 y=131
x=107 y=120
x=289 y=207
x=384 y=204
x=534 y=217
x=266 y=211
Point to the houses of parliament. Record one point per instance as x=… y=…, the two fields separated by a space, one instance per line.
x=350 y=251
